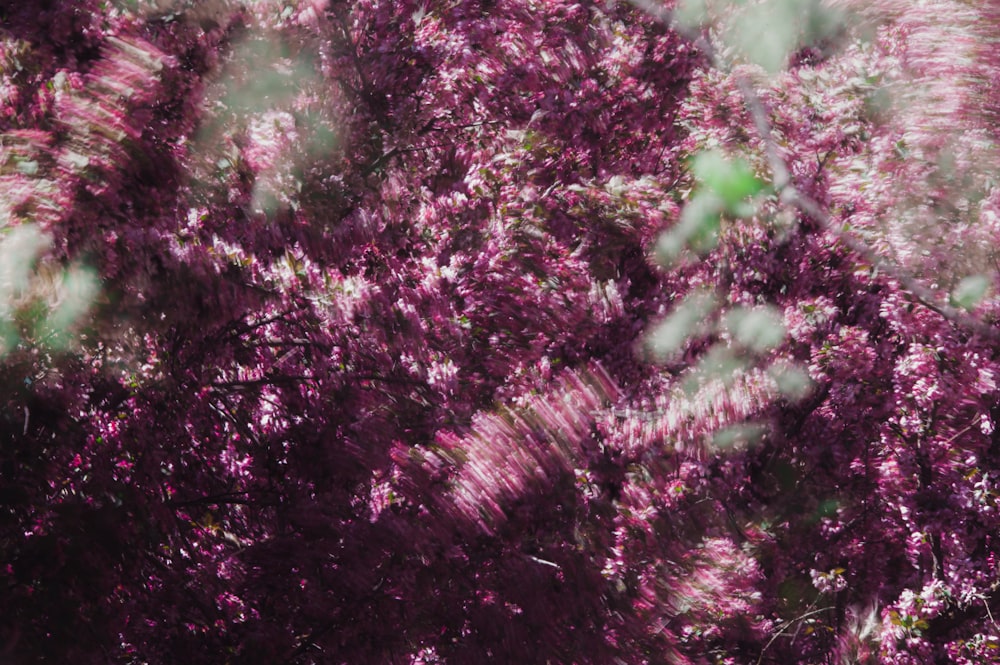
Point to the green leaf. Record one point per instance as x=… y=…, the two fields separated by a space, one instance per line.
x=767 y=32
x=691 y=14
x=793 y=381
x=731 y=180
x=721 y=363
x=729 y=437
x=685 y=321
x=764 y=33
x=80 y=287
x=758 y=329
x=19 y=247
x=698 y=229
x=970 y=291
x=28 y=167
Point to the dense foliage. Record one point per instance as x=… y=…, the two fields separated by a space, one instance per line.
x=511 y=331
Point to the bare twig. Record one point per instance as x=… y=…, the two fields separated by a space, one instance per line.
x=788 y=625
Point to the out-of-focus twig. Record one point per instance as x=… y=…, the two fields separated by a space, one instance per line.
x=809 y=207
x=790 y=195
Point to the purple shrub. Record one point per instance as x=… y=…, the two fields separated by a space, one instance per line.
x=497 y=331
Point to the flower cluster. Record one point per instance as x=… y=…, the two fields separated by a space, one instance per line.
x=464 y=331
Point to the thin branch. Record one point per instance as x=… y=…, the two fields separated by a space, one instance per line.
x=243 y=498
x=265 y=381
x=807 y=206
x=239 y=328
x=657 y=11
x=788 y=625
x=921 y=293
x=274 y=342
x=309 y=641
x=404 y=380
x=989 y=612
x=779 y=170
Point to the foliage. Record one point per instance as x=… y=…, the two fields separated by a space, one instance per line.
x=498 y=331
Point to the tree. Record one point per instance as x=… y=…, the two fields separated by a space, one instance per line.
x=398 y=332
